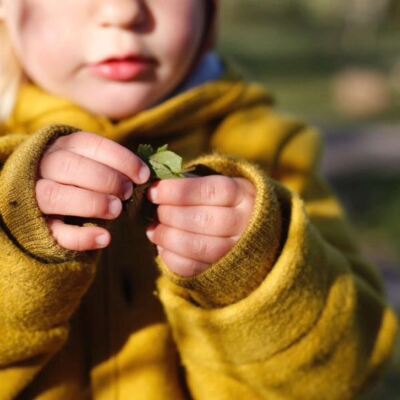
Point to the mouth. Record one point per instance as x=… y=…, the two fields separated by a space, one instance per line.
x=123 y=69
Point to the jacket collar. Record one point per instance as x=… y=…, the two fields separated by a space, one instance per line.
x=36 y=108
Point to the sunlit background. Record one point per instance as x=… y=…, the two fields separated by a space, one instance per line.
x=337 y=65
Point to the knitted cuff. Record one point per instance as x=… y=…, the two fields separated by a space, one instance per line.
x=19 y=212
x=245 y=266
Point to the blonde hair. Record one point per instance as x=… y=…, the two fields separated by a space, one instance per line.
x=11 y=75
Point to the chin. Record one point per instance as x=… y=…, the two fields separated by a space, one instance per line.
x=120 y=109
x=122 y=104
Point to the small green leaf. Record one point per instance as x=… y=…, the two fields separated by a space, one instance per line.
x=161 y=171
x=162 y=148
x=145 y=151
x=163 y=163
x=168 y=158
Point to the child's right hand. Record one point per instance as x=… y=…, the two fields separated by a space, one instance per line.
x=86 y=175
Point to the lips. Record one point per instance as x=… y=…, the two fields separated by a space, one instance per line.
x=123 y=69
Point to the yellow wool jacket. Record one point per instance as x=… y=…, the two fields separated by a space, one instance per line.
x=291 y=312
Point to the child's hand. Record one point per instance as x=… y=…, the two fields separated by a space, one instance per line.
x=86 y=175
x=200 y=219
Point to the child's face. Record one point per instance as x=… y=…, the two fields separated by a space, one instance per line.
x=57 y=41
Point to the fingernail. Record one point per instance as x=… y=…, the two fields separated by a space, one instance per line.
x=128 y=190
x=150 y=232
x=144 y=174
x=102 y=240
x=152 y=192
x=114 y=207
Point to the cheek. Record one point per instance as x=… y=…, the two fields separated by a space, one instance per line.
x=55 y=50
x=43 y=43
x=181 y=33
x=185 y=42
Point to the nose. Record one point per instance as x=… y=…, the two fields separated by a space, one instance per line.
x=121 y=13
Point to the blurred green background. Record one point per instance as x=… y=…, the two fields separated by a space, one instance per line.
x=337 y=65
x=300 y=48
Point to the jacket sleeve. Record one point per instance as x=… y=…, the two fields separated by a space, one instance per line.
x=292 y=311
x=41 y=283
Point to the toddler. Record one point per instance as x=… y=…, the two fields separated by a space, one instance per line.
x=249 y=284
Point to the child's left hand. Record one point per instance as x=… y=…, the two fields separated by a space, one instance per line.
x=200 y=219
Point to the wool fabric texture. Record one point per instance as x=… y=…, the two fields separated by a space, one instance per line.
x=291 y=312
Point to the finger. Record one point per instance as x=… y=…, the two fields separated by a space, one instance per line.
x=181 y=265
x=206 y=249
x=104 y=151
x=55 y=198
x=207 y=220
x=214 y=190
x=73 y=169
x=77 y=238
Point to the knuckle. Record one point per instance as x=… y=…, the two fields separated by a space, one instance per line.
x=69 y=165
x=80 y=135
x=230 y=188
x=71 y=136
x=55 y=146
x=47 y=156
x=66 y=238
x=203 y=219
x=164 y=214
x=251 y=190
x=234 y=222
x=231 y=224
x=245 y=187
x=224 y=246
x=49 y=193
x=221 y=252
x=199 y=247
x=160 y=234
x=192 y=267
x=129 y=159
x=98 y=143
x=98 y=206
x=84 y=240
x=68 y=141
x=112 y=182
x=163 y=189
x=76 y=241
x=77 y=140
x=53 y=226
x=208 y=191
x=49 y=162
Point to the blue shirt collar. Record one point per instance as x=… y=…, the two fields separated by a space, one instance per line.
x=210 y=69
